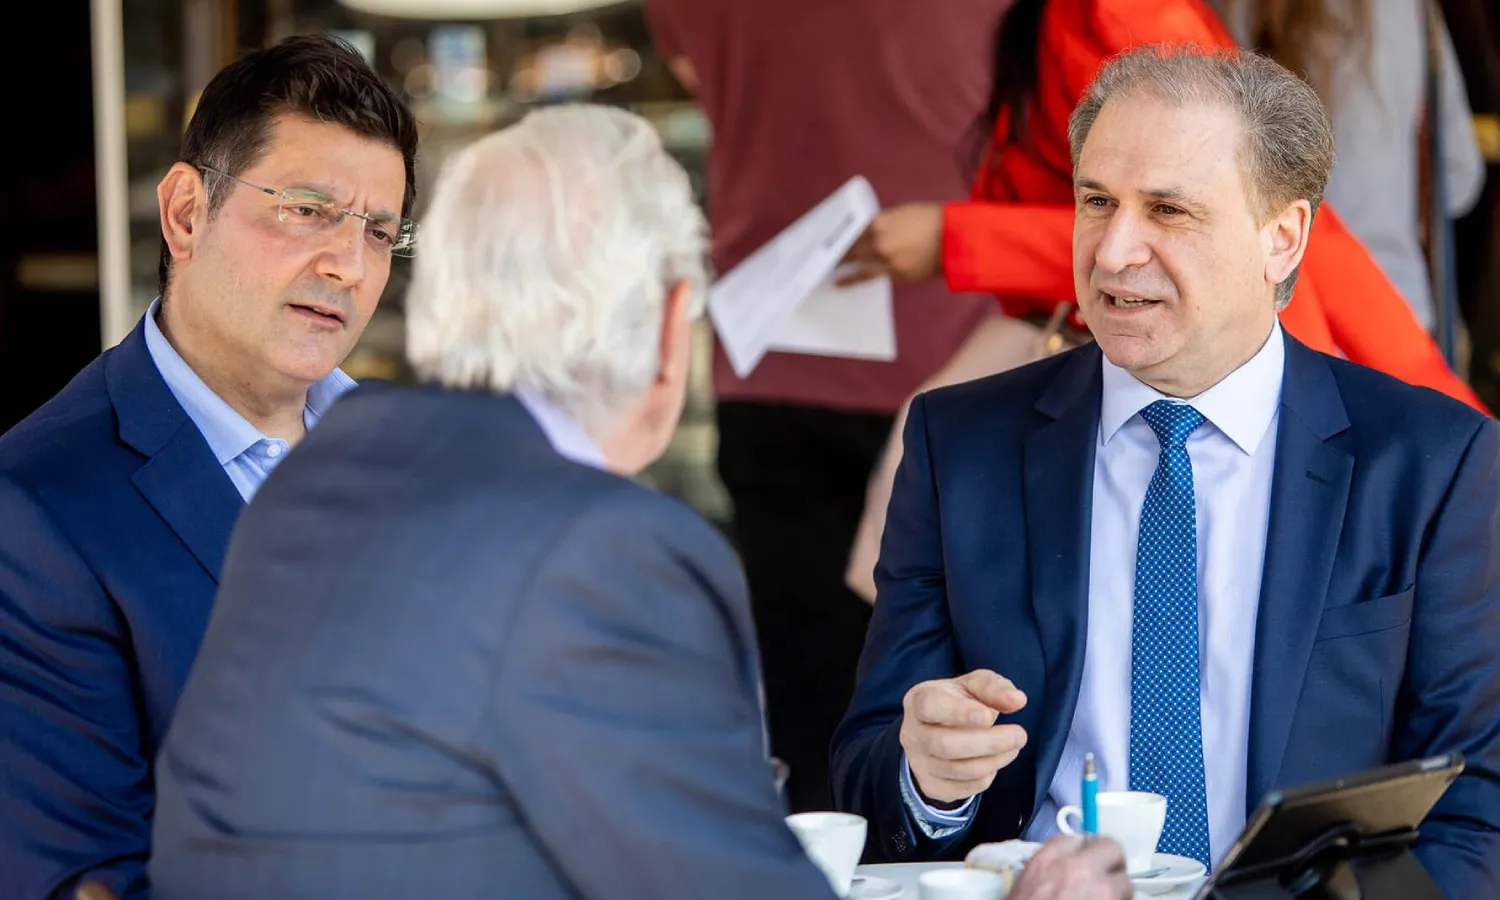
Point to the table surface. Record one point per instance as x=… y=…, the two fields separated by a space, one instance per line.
x=906 y=874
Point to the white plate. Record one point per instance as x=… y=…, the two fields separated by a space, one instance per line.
x=1167 y=873
x=873 y=887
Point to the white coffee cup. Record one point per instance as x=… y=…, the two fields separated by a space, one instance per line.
x=961 y=884
x=1133 y=818
x=834 y=841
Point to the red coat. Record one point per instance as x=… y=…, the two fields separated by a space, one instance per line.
x=1015 y=238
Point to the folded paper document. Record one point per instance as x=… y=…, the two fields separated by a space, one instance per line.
x=783 y=296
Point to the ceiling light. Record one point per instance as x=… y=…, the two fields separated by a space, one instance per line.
x=440 y=10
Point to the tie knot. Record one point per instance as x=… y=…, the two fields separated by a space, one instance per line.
x=1172 y=422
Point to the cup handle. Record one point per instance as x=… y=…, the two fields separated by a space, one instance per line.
x=1064 y=825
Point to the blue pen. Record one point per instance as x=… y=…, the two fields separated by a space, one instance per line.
x=1090 y=796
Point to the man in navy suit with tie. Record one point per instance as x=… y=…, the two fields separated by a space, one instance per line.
x=1217 y=560
x=117 y=497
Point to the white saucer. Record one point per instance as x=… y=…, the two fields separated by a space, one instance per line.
x=873 y=887
x=1167 y=873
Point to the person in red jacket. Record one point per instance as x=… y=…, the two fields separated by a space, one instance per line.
x=1013 y=239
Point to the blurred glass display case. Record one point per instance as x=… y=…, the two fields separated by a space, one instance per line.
x=464 y=77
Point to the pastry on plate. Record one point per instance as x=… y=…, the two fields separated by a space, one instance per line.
x=1006 y=858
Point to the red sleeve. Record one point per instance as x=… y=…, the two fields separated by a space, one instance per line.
x=1023 y=253
x=1367 y=316
x=1016 y=251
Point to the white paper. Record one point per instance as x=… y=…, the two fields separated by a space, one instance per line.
x=855 y=321
x=782 y=296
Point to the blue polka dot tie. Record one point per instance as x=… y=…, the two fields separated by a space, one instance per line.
x=1166 y=731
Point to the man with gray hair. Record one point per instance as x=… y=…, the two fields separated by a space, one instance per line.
x=1218 y=562
x=456 y=651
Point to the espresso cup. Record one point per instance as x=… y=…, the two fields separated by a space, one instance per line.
x=961 y=884
x=834 y=842
x=1134 y=819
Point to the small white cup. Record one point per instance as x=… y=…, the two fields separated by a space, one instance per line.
x=961 y=884
x=834 y=841
x=1132 y=818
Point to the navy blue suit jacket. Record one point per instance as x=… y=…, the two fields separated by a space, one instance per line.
x=114 y=518
x=1379 y=614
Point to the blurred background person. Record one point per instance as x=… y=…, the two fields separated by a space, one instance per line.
x=1474 y=26
x=277 y=228
x=1370 y=62
x=801 y=97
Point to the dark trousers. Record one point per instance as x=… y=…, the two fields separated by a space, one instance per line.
x=797 y=477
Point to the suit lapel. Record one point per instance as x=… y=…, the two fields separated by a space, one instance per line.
x=180 y=479
x=1309 y=492
x=1059 y=470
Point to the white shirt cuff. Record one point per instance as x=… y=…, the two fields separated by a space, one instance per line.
x=935 y=823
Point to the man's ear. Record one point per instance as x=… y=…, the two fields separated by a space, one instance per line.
x=182 y=203
x=1286 y=237
x=676 y=331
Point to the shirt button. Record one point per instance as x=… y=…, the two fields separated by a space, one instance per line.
x=273 y=450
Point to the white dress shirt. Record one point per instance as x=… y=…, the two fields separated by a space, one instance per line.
x=1234 y=456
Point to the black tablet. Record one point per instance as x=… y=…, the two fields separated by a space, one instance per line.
x=1369 y=806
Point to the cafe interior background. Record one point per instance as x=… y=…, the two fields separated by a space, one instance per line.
x=102 y=91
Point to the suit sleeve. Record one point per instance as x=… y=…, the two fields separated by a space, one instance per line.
x=1367 y=316
x=627 y=717
x=75 y=786
x=1451 y=696
x=910 y=640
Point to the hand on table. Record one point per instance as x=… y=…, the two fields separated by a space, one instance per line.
x=1067 y=868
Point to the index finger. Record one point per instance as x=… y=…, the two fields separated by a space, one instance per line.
x=859 y=273
x=945 y=704
x=993 y=690
x=863 y=248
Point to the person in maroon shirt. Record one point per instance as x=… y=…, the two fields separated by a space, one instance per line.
x=802 y=97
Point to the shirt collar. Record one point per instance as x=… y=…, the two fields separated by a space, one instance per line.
x=1241 y=406
x=566 y=436
x=227 y=432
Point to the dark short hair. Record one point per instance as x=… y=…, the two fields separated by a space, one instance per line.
x=316 y=76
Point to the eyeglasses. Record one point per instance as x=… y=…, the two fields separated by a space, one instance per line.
x=310 y=213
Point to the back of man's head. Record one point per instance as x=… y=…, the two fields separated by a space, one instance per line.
x=548 y=252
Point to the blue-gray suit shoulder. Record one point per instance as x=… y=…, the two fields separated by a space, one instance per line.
x=446 y=661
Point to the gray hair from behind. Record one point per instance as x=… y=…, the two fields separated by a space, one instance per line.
x=1287 y=152
x=547 y=254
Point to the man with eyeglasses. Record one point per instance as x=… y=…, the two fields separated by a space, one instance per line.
x=117 y=497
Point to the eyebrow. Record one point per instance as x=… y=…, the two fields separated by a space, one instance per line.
x=327 y=191
x=1175 y=196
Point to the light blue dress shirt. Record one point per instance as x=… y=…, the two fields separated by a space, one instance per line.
x=566 y=436
x=246 y=455
x=1234 y=457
